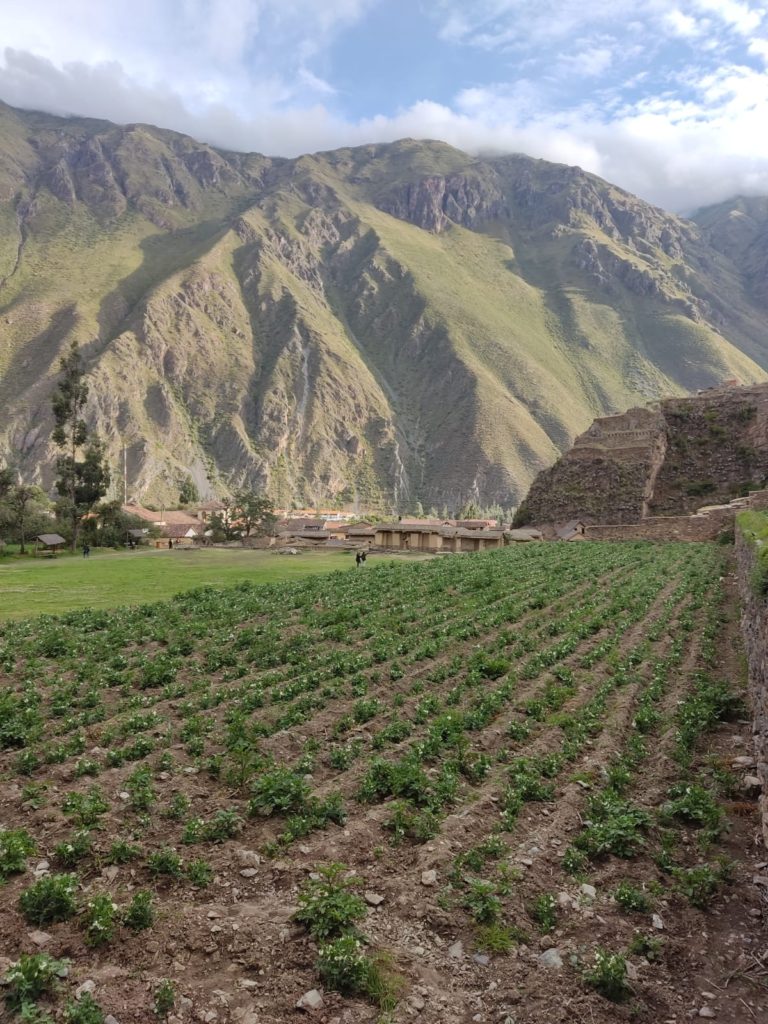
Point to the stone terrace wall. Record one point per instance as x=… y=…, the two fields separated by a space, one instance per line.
x=663 y=461
x=717 y=448
x=754 y=625
x=663 y=528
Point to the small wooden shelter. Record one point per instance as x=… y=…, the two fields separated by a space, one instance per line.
x=49 y=543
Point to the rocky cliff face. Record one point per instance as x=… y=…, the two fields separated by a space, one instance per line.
x=667 y=460
x=396 y=323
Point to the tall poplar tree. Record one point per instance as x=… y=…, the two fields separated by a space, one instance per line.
x=83 y=473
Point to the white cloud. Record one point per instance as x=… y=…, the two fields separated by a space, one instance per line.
x=591 y=62
x=759 y=48
x=250 y=75
x=682 y=25
x=743 y=18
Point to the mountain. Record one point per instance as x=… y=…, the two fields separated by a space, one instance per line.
x=393 y=322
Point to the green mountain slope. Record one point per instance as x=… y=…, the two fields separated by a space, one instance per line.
x=395 y=322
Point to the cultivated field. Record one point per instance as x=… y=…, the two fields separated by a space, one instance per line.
x=50 y=586
x=524 y=761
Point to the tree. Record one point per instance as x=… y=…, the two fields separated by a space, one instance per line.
x=224 y=522
x=7 y=478
x=419 y=510
x=188 y=492
x=108 y=526
x=469 y=511
x=83 y=473
x=254 y=513
x=23 y=508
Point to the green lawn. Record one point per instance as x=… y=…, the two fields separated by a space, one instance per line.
x=106 y=579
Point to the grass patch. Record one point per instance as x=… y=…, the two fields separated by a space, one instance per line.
x=107 y=579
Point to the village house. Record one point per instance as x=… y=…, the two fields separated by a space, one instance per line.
x=573 y=530
x=424 y=536
x=205 y=512
x=172 y=524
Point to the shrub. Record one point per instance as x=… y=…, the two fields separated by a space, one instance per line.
x=165 y=998
x=482 y=902
x=574 y=861
x=177 y=808
x=49 y=899
x=84 y=1011
x=544 y=911
x=139 y=913
x=699 y=884
x=629 y=897
x=615 y=827
x=31 y=976
x=608 y=975
x=86 y=808
x=345 y=968
x=489 y=667
x=139 y=785
x=86 y=766
x=165 y=862
x=121 y=852
x=100 y=920
x=281 y=790
x=223 y=825
x=498 y=938
x=407 y=822
x=645 y=945
x=695 y=805
x=327 y=906
x=200 y=872
x=16 y=845
x=315 y=814
x=710 y=702
x=72 y=850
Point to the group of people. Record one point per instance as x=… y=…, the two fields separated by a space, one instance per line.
x=360 y=558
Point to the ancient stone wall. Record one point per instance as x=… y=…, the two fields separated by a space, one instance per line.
x=666 y=528
x=597 y=489
x=754 y=625
x=717 y=449
x=666 y=460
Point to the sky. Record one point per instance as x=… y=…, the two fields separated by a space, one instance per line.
x=667 y=99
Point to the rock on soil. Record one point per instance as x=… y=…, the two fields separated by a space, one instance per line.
x=551 y=958
x=310 y=1001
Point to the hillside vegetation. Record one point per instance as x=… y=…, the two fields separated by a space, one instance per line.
x=490 y=787
x=398 y=322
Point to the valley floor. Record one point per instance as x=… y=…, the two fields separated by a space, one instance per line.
x=531 y=764
x=52 y=586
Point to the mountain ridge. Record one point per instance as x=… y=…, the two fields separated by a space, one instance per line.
x=389 y=323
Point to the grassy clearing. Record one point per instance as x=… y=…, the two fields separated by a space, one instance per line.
x=52 y=586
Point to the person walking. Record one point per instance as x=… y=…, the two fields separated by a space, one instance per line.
x=86 y=550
